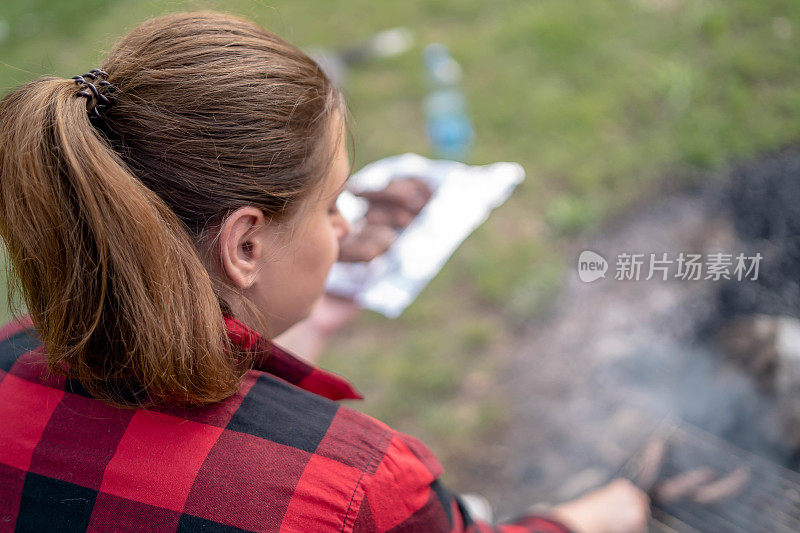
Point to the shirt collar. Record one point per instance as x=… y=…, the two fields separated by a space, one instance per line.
x=270 y=358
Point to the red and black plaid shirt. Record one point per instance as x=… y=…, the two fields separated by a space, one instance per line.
x=279 y=455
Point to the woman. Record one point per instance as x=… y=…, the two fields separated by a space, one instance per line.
x=165 y=217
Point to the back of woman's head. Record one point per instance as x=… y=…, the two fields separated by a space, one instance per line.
x=108 y=225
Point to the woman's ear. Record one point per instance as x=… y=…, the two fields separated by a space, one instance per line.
x=245 y=239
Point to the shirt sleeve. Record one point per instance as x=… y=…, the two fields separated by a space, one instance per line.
x=405 y=494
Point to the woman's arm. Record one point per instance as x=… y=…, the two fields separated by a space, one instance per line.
x=404 y=493
x=307 y=339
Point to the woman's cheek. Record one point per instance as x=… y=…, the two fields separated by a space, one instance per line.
x=334 y=242
x=334 y=247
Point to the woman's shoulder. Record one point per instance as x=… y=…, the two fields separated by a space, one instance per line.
x=299 y=458
x=274 y=410
x=273 y=453
x=337 y=457
x=15 y=325
x=18 y=339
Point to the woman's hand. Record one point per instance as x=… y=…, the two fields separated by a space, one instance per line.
x=619 y=507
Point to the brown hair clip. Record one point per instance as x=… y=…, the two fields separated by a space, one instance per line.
x=98 y=101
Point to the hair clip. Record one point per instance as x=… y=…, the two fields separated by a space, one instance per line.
x=98 y=101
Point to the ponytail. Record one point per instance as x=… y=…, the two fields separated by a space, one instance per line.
x=113 y=282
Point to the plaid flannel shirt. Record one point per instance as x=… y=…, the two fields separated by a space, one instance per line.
x=279 y=455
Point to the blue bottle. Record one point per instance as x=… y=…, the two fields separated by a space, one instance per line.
x=450 y=130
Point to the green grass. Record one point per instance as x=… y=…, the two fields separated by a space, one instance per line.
x=596 y=99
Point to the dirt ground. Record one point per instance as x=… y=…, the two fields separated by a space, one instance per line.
x=589 y=384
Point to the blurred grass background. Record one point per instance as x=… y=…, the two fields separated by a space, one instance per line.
x=598 y=100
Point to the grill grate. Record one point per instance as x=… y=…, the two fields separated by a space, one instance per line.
x=769 y=500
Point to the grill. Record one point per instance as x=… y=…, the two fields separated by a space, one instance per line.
x=761 y=496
